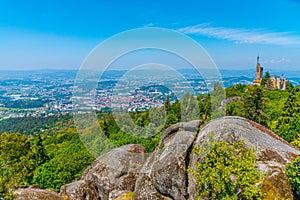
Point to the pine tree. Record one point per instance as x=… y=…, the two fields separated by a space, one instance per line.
x=170 y=120
x=204 y=103
x=176 y=110
x=254 y=105
x=105 y=128
x=289 y=86
x=265 y=82
x=189 y=108
x=167 y=105
x=39 y=152
x=288 y=120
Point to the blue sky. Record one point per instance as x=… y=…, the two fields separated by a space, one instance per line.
x=60 y=34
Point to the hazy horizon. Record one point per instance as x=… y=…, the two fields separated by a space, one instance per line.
x=118 y=69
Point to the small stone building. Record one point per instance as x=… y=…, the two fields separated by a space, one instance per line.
x=277 y=82
x=274 y=82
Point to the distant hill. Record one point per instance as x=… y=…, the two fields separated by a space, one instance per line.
x=230 y=77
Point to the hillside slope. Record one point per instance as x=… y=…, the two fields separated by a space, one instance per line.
x=163 y=174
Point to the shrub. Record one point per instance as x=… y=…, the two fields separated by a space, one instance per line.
x=293 y=174
x=226 y=171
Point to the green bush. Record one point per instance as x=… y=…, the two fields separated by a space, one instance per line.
x=64 y=168
x=226 y=171
x=293 y=174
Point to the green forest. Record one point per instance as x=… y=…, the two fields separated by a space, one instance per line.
x=48 y=152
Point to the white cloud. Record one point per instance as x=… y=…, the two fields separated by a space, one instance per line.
x=241 y=35
x=279 y=61
x=149 y=25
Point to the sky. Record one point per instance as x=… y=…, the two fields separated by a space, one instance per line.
x=60 y=34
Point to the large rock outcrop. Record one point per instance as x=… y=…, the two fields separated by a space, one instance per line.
x=164 y=175
x=112 y=173
x=273 y=152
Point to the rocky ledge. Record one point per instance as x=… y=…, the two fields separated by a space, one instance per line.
x=129 y=171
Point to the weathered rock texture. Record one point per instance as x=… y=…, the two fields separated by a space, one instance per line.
x=109 y=175
x=163 y=174
x=36 y=194
x=80 y=190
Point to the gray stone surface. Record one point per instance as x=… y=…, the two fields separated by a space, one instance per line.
x=192 y=126
x=254 y=135
x=116 y=169
x=36 y=194
x=171 y=130
x=80 y=190
x=164 y=174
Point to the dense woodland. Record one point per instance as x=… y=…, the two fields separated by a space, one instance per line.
x=47 y=151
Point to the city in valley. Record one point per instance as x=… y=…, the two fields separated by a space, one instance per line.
x=49 y=92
